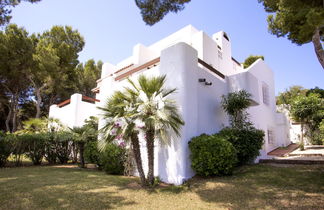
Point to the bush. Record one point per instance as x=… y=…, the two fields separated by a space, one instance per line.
x=112 y=159
x=5 y=149
x=18 y=147
x=34 y=146
x=63 y=141
x=50 y=149
x=247 y=142
x=91 y=152
x=212 y=155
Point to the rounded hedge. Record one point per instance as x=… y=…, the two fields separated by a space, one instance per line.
x=247 y=142
x=212 y=155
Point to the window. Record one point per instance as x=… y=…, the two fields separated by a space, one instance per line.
x=265 y=93
x=220 y=55
x=271 y=137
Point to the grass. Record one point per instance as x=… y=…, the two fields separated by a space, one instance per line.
x=251 y=187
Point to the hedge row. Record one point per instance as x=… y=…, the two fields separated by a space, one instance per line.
x=59 y=147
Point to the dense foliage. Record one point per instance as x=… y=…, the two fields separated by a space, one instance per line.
x=287 y=97
x=112 y=159
x=153 y=11
x=299 y=20
x=92 y=153
x=34 y=146
x=251 y=59
x=212 y=155
x=39 y=70
x=246 y=141
x=309 y=111
x=306 y=104
x=5 y=149
x=235 y=105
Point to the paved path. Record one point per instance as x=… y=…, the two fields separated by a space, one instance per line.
x=292 y=155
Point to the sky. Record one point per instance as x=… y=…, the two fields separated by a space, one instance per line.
x=112 y=28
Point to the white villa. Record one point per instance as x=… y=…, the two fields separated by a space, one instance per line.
x=202 y=69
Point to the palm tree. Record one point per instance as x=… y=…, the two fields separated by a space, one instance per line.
x=84 y=134
x=79 y=137
x=158 y=113
x=119 y=114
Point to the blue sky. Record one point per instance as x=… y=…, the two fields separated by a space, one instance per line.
x=112 y=28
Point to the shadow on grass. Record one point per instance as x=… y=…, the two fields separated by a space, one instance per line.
x=57 y=188
x=265 y=187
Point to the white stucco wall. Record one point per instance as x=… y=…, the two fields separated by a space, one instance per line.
x=75 y=113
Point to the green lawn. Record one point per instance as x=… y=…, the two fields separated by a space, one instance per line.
x=251 y=187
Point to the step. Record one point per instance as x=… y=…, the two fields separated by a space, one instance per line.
x=306 y=155
x=289 y=161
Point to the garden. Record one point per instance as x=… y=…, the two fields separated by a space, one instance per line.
x=47 y=165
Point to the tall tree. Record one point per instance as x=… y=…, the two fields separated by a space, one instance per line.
x=153 y=11
x=299 y=20
x=56 y=56
x=6 y=7
x=16 y=49
x=88 y=74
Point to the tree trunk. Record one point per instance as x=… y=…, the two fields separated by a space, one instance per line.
x=14 y=117
x=316 y=39
x=38 y=102
x=302 y=136
x=8 y=120
x=150 y=155
x=138 y=158
x=81 y=145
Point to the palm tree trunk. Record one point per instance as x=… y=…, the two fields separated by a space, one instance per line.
x=81 y=144
x=316 y=39
x=150 y=155
x=138 y=159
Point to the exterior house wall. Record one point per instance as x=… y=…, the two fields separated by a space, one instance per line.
x=75 y=113
x=199 y=102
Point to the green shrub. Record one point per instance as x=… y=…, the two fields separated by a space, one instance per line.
x=247 y=142
x=112 y=159
x=212 y=155
x=91 y=152
x=5 y=149
x=63 y=141
x=34 y=146
x=18 y=147
x=50 y=148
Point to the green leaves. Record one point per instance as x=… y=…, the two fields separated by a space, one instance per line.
x=153 y=11
x=235 y=105
x=251 y=59
x=212 y=155
x=299 y=20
